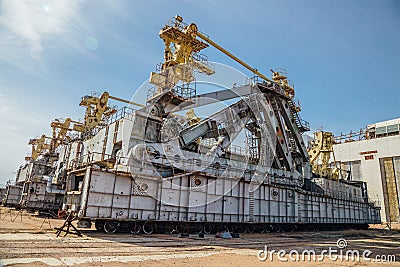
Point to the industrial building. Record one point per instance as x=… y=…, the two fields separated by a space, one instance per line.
x=375 y=158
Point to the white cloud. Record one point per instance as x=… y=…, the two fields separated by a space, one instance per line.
x=29 y=23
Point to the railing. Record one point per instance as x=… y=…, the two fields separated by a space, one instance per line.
x=352 y=136
x=271 y=86
x=201 y=58
x=125 y=112
x=304 y=124
x=254 y=80
x=210 y=168
x=213 y=169
x=159 y=67
x=184 y=91
x=343 y=195
x=89 y=159
x=155 y=90
x=318 y=219
x=152 y=92
x=95 y=94
x=290 y=83
x=176 y=24
x=180 y=25
x=296 y=104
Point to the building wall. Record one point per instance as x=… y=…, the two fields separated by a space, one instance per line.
x=379 y=167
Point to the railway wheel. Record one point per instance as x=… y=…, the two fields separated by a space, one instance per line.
x=264 y=229
x=249 y=229
x=173 y=228
x=207 y=228
x=110 y=227
x=148 y=228
x=267 y=228
x=136 y=228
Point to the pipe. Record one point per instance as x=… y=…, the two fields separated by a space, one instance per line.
x=244 y=64
x=126 y=101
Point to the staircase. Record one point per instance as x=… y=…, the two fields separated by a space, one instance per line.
x=253 y=146
x=293 y=145
x=302 y=125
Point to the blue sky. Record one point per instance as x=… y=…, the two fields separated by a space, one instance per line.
x=343 y=56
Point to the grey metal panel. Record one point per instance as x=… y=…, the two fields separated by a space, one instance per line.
x=213 y=97
x=189 y=136
x=99 y=200
x=271 y=204
x=120 y=201
x=122 y=185
x=102 y=182
x=13 y=194
x=23 y=173
x=92 y=212
x=109 y=139
x=104 y=212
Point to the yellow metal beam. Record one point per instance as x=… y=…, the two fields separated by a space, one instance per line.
x=244 y=64
x=126 y=101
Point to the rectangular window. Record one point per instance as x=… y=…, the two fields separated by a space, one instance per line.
x=351 y=170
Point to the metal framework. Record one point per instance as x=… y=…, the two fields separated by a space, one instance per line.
x=151 y=169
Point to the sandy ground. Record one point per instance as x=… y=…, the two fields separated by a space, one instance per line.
x=27 y=240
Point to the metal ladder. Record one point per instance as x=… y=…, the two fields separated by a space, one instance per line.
x=251 y=203
x=300 y=125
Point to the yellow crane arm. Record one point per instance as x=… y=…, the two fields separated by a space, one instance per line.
x=63 y=128
x=39 y=145
x=126 y=101
x=96 y=108
x=244 y=64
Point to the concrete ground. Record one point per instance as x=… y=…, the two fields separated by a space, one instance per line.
x=27 y=240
